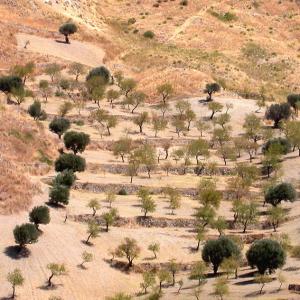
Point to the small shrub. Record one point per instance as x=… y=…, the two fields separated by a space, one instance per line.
x=149 y=34
x=122 y=192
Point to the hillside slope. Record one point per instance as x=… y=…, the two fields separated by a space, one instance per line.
x=249 y=47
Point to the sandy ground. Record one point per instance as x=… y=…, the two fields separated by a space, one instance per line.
x=84 y=53
x=63 y=242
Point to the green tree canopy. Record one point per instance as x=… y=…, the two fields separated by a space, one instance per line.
x=266 y=255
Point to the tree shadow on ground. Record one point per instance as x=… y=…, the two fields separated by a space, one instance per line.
x=90 y=244
x=61 y=42
x=45 y=286
x=255 y=294
x=245 y=282
x=15 y=252
x=119 y=265
x=191 y=249
x=54 y=205
x=82 y=267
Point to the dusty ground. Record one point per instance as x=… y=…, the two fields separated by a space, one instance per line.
x=84 y=53
x=189 y=62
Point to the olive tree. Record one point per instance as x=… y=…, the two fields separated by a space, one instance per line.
x=266 y=254
x=67 y=29
x=147 y=203
x=59 y=194
x=56 y=270
x=101 y=73
x=25 y=234
x=93 y=230
x=214 y=107
x=59 y=126
x=15 y=278
x=130 y=249
x=122 y=147
x=52 y=70
x=8 y=83
x=198 y=271
x=35 y=110
x=39 y=215
x=154 y=248
x=76 y=69
x=278 y=112
x=276 y=215
x=94 y=205
x=110 y=217
x=66 y=178
x=149 y=280
x=45 y=89
x=281 y=192
x=76 y=141
x=141 y=119
x=165 y=91
x=86 y=257
x=69 y=161
x=163 y=276
x=210 y=89
x=215 y=251
x=135 y=99
x=24 y=71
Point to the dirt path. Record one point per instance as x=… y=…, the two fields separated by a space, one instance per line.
x=80 y=52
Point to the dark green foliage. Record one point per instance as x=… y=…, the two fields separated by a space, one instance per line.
x=101 y=72
x=35 y=111
x=215 y=251
x=282 y=192
x=294 y=101
x=211 y=88
x=39 y=215
x=76 y=141
x=59 y=194
x=8 y=83
x=149 y=34
x=66 y=177
x=266 y=255
x=59 y=126
x=68 y=161
x=67 y=29
x=25 y=234
x=122 y=192
x=278 y=112
x=280 y=143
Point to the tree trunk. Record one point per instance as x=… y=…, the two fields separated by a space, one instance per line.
x=212 y=115
x=261 y=288
x=245 y=227
x=67 y=39
x=141 y=128
x=94 y=212
x=198 y=245
x=209 y=96
x=88 y=238
x=167 y=153
x=215 y=269
x=49 y=280
x=14 y=292
x=108 y=130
